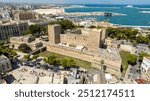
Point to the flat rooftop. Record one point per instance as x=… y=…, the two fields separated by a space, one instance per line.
x=28 y=75
x=7 y=23
x=3 y=58
x=110 y=53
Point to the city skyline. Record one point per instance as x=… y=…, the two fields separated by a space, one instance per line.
x=83 y=1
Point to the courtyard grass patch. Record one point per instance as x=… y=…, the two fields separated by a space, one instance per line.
x=124 y=56
x=80 y=63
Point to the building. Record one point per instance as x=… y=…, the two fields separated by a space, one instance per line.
x=90 y=38
x=35 y=45
x=142 y=48
x=8 y=30
x=25 y=15
x=5 y=65
x=112 y=43
x=110 y=79
x=129 y=48
x=87 y=23
x=99 y=78
x=54 y=34
x=145 y=64
x=17 y=41
x=27 y=75
x=84 y=44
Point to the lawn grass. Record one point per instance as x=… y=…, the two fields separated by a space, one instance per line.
x=16 y=50
x=80 y=63
x=124 y=56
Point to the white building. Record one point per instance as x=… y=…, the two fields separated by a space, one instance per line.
x=145 y=64
x=86 y=23
x=5 y=64
x=128 y=48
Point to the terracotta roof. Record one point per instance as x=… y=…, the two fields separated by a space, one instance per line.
x=140 y=81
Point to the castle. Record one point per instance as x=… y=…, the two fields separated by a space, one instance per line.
x=85 y=44
x=89 y=38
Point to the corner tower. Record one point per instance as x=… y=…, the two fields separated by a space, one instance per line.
x=54 y=32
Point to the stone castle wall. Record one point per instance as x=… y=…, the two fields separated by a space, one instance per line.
x=112 y=66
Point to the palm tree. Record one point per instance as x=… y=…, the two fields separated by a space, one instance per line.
x=102 y=63
x=104 y=68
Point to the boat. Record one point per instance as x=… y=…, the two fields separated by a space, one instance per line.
x=129 y=6
x=146 y=12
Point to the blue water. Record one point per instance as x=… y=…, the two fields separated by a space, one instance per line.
x=134 y=16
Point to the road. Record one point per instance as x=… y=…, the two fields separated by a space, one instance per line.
x=133 y=71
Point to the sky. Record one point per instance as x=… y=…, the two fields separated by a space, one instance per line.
x=83 y=1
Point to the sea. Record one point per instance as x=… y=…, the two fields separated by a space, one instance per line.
x=136 y=15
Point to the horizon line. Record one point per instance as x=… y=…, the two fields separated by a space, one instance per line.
x=74 y=3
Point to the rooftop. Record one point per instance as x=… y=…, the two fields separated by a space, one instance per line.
x=27 y=75
x=3 y=58
x=140 y=81
x=10 y=22
x=110 y=53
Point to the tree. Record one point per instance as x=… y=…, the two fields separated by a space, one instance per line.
x=26 y=32
x=35 y=57
x=45 y=60
x=104 y=68
x=7 y=51
x=80 y=26
x=64 y=62
x=100 y=27
x=140 y=39
x=57 y=61
x=2 y=43
x=71 y=62
x=122 y=33
x=102 y=63
x=141 y=55
x=34 y=28
x=45 y=30
x=132 y=59
x=65 y=24
x=24 y=48
x=68 y=62
x=27 y=57
x=92 y=26
x=52 y=60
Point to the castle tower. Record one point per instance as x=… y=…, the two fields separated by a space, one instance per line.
x=96 y=38
x=54 y=32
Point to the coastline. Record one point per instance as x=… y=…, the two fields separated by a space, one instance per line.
x=92 y=14
x=124 y=16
